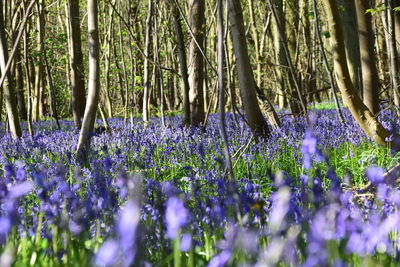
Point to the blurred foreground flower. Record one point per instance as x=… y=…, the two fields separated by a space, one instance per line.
x=176 y=216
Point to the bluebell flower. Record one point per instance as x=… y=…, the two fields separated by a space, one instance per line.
x=107 y=254
x=375 y=174
x=176 y=216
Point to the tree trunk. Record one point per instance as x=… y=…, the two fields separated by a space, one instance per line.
x=360 y=112
x=221 y=83
x=94 y=81
x=280 y=59
x=394 y=67
x=20 y=87
x=370 y=79
x=182 y=65
x=146 y=78
x=348 y=16
x=8 y=89
x=77 y=67
x=196 y=65
x=255 y=118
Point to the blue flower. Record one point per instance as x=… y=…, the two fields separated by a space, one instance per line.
x=176 y=216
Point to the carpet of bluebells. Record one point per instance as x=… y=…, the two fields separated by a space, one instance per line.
x=160 y=196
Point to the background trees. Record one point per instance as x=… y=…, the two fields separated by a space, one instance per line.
x=156 y=58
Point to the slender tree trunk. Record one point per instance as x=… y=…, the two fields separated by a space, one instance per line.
x=247 y=84
x=326 y=63
x=255 y=37
x=182 y=64
x=360 y=112
x=394 y=65
x=9 y=88
x=20 y=87
x=370 y=79
x=105 y=95
x=76 y=61
x=28 y=79
x=47 y=67
x=280 y=59
x=196 y=65
x=221 y=83
x=146 y=78
x=293 y=72
x=94 y=81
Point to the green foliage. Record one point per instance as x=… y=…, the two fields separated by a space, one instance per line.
x=376 y=10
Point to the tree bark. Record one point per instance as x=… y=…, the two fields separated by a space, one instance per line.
x=20 y=87
x=221 y=83
x=348 y=15
x=182 y=64
x=146 y=78
x=76 y=61
x=196 y=62
x=94 y=81
x=370 y=79
x=9 y=88
x=247 y=84
x=394 y=65
x=360 y=112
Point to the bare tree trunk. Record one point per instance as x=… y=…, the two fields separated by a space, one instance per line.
x=146 y=78
x=8 y=89
x=28 y=75
x=293 y=72
x=326 y=63
x=360 y=112
x=255 y=37
x=182 y=64
x=94 y=81
x=105 y=94
x=20 y=87
x=348 y=15
x=159 y=69
x=247 y=84
x=221 y=83
x=280 y=59
x=77 y=67
x=47 y=67
x=394 y=67
x=196 y=61
x=370 y=79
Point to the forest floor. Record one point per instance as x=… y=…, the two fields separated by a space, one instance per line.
x=160 y=195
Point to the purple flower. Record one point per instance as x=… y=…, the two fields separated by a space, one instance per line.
x=309 y=145
x=375 y=174
x=127 y=227
x=176 y=216
x=107 y=254
x=5 y=225
x=186 y=242
x=20 y=190
x=221 y=259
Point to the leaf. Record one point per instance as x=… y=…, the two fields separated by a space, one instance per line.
x=326 y=34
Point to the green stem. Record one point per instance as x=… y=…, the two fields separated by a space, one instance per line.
x=177 y=250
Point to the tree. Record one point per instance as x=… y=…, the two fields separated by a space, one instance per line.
x=196 y=61
x=221 y=85
x=76 y=62
x=370 y=80
x=182 y=63
x=146 y=78
x=359 y=111
x=348 y=16
x=247 y=84
x=94 y=81
x=9 y=88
